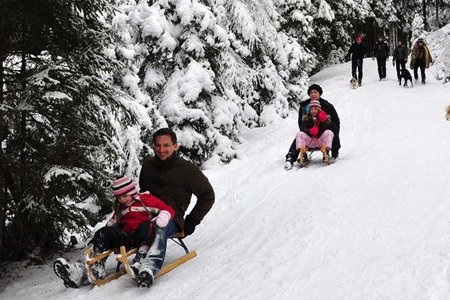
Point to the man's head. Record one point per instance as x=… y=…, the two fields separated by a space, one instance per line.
x=165 y=143
x=399 y=43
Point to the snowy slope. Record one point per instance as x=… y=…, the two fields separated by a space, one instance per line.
x=374 y=225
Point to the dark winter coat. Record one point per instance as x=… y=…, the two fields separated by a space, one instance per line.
x=357 y=51
x=174 y=181
x=308 y=122
x=420 y=53
x=400 y=53
x=327 y=107
x=381 y=50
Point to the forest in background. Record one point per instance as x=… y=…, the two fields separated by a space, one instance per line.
x=85 y=83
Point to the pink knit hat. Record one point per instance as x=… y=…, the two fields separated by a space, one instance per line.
x=124 y=186
x=315 y=103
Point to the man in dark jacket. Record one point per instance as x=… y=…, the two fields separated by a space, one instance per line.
x=173 y=180
x=315 y=92
x=357 y=51
x=400 y=58
x=381 y=52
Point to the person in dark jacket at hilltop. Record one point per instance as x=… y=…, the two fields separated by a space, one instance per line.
x=357 y=51
x=315 y=91
x=174 y=180
x=400 y=58
x=381 y=52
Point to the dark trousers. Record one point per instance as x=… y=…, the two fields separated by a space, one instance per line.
x=357 y=63
x=293 y=153
x=400 y=66
x=381 y=62
x=113 y=236
x=419 y=63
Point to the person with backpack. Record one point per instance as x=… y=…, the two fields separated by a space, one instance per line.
x=357 y=51
x=135 y=220
x=381 y=52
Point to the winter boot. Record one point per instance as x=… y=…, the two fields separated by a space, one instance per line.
x=73 y=275
x=302 y=157
x=288 y=165
x=326 y=155
x=98 y=269
x=137 y=260
x=146 y=278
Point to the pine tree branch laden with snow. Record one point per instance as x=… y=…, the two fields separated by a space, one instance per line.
x=180 y=57
x=57 y=150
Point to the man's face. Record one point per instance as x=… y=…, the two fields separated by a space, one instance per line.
x=164 y=147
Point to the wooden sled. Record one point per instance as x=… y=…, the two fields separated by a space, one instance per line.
x=309 y=151
x=122 y=259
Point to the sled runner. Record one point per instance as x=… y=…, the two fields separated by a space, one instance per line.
x=305 y=156
x=122 y=259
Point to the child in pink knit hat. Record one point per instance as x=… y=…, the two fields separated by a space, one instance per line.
x=131 y=226
x=314 y=132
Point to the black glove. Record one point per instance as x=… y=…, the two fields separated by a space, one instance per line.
x=189 y=225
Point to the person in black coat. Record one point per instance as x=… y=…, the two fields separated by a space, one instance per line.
x=400 y=58
x=357 y=51
x=381 y=52
x=315 y=92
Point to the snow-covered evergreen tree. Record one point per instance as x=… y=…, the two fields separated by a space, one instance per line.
x=418 y=28
x=57 y=141
x=207 y=71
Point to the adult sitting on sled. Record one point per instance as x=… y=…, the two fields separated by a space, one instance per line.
x=174 y=180
x=315 y=92
x=130 y=226
x=314 y=133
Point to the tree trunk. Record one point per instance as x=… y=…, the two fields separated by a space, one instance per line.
x=424 y=11
x=2 y=178
x=437 y=13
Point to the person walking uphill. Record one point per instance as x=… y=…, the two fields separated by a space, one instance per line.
x=357 y=51
x=381 y=52
x=174 y=180
x=315 y=92
x=399 y=59
x=420 y=58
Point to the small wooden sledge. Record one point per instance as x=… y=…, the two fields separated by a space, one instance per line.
x=307 y=152
x=122 y=259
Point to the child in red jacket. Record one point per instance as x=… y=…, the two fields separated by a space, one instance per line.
x=130 y=226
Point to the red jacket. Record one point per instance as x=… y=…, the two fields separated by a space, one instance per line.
x=143 y=208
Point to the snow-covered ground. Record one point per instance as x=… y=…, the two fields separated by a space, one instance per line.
x=374 y=225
